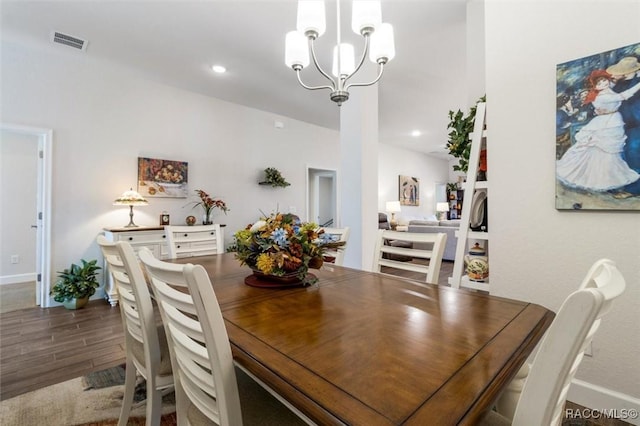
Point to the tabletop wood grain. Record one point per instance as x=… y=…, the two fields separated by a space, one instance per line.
x=364 y=348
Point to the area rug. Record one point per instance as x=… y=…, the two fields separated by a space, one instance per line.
x=91 y=400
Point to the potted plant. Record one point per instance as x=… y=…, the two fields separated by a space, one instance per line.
x=208 y=203
x=452 y=188
x=459 y=143
x=274 y=178
x=76 y=284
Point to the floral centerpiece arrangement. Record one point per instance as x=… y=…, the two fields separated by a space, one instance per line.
x=281 y=245
x=209 y=204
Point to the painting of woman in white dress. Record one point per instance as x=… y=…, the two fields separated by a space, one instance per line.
x=593 y=170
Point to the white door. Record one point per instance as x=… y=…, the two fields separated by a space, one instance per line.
x=25 y=214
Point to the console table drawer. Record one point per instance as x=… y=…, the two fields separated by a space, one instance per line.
x=142 y=237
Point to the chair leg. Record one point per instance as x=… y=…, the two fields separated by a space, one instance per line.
x=182 y=403
x=508 y=401
x=154 y=404
x=129 y=390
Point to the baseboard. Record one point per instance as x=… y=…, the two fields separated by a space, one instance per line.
x=604 y=401
x=19 y=278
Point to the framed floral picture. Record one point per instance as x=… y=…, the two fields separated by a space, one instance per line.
x=162 y=178
x=598 y=131
x=409 y=190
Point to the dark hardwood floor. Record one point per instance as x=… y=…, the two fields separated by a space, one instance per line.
x=41 y=347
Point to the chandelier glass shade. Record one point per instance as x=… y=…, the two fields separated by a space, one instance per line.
x=366 y=22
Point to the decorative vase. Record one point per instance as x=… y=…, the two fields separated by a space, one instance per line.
x=75 y=303
x=477 y=263
x=191 y=220
x=206 y=219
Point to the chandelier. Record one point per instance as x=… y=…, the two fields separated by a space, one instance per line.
x=366 y=21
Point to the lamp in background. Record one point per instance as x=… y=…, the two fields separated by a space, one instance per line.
x=130 y=198
x=393 y=207
x=442 y=209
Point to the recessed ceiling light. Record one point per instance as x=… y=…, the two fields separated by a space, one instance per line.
x=219 y=69
x=416 y=133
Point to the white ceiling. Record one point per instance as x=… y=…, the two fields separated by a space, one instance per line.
x=176 y=42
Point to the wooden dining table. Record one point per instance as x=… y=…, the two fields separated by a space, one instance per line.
x=365 y=348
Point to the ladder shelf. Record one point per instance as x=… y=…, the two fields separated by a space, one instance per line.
x=467 y=236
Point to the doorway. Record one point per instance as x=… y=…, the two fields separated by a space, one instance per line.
x=26 y=163
x=322 y=197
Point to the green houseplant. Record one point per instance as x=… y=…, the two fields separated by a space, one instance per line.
x=76 y=284
x=459 y=143
x=274 y=178
x=452 y=188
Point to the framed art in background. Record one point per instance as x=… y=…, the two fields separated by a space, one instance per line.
x=598 y=131
x=409 y=191
x=162 y=178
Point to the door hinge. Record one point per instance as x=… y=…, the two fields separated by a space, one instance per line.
x=39 y=215
x=41 y=154
x=39 y=278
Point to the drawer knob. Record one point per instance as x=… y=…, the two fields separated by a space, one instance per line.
x=178 y=246
x=185 y=235
x=130 y=238
x=212 y=233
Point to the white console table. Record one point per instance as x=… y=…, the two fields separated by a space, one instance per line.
x=151 y=237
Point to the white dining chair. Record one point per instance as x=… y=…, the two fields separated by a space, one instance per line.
x=545 y=388
x=432 y=250
x=338 y=234
x=207 y=389
x=147 y=352
x=187 y=241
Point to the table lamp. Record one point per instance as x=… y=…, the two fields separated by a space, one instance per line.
x=130 y=198
x=393 y=207
x=442 y=209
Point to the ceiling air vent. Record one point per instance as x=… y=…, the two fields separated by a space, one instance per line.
x=66 y=39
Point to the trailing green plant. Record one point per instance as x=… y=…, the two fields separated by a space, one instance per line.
x=76 y=282
x=274 y=178
x=459 y=143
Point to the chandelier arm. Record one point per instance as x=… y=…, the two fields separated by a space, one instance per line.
x=364 y=56
x=368 y=84
x=315 y=62
x=312 y=87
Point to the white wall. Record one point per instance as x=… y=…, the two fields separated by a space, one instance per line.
x=394 y=161
x=538 y=253
x=18 y=159
x=103 y=118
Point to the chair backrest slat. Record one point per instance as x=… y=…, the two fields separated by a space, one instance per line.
x=199 y=344
x=339 y=234
x=417 y=245
x=134 y=298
